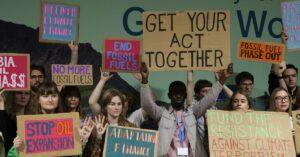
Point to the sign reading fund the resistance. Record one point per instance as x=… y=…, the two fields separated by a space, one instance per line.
x=14 y=71
x=260 y=51
x=121 y=55
x=259 y=134
x=65 y=74
x=130 y=142
x=290 y=18
x=46 y=135
x=186 y=40
x=59 y=22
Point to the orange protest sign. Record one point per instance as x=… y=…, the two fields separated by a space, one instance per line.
x=260 y=51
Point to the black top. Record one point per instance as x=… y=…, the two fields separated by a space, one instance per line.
x=8 y=127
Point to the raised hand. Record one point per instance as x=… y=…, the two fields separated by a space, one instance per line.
x=86 y=130
x=144 y=72
x=73 y=46
x=279 y=68
x=284 y=37
x=105 y=75
x=100 y=127
x=224 y=74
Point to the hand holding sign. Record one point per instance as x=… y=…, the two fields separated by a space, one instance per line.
x=73 y=46
x=86 y=130
x=284 y=37
x=144 y=72
x=18 y=143
x=222 y=75
x=99 y=123
x=105 y=75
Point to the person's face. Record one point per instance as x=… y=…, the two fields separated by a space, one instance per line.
x=282 y=101
x=240 y=103
x=72 y=101
x=203 y=92
x=48 y=103
x=290 y=78
x=246 y=87
x=177 y=96
x=22 y=98
x=36 y=78
x=114 y=108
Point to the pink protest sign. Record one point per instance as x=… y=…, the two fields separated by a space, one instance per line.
x=122 y=55
x=45 y=135
x=14 y=71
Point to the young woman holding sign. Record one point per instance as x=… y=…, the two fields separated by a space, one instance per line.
x=47 y=101
x=112 y=104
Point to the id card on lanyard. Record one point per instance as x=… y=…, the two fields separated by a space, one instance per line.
x=181 y=136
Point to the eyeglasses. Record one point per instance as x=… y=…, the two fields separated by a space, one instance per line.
x=282 y=99
x=36 y=76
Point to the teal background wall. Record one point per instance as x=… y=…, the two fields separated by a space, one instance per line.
x=104 y=18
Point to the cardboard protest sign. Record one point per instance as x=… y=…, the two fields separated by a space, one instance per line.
x=59 y=23
x=14 y=71
x=290 y=18
x=191 y=40
x=66 y=74
x=130 y=142
x=260 y=51
x=49 y=134
x=250 y=134
x=121 y=55
x=296 y=124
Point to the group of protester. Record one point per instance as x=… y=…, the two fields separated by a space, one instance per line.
x=182 y=125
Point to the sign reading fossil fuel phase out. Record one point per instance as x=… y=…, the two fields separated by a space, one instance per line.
x=49 y=134
x=260 y=51
x=59 y=23
x=130 y=142
x=121 y=55
x=253 y=133
x=198 y=40
x=14 y=71
x=66 y=74
x=291 y=23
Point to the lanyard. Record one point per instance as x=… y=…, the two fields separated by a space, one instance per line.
x=181 y=131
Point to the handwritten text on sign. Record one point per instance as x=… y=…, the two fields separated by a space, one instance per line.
x=123 y=141
x=14 y=71
x=45 y=135
x=260 y=51
x=59 y=22
x=72 y=74
x=48 y=135
x=290 y=17
x=121 y=55
x=250 y=134
x=186 y=40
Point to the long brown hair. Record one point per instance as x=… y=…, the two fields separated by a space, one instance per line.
x=46 y=88
x=10 y=104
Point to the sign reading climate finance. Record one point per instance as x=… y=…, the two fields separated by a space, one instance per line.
x=198 y=40
x=251 y=134
x=59 y=23
x=14 y=71
x=49 y=134
x=121 y=55
x=66 y=74
x=130 y=142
